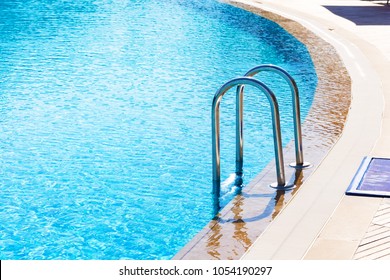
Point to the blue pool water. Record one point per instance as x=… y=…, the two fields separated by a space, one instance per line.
x=105 y=131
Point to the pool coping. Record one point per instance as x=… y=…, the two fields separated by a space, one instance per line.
x=250 y=214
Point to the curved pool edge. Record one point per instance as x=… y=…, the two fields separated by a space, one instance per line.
x=322 y=222
x=256 y=210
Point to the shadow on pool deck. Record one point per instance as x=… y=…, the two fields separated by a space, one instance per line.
x=363 y=15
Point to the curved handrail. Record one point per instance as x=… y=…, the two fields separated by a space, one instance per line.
x=215 y=116
x=299 y=162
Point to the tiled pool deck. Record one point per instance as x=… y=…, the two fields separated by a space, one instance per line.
x=350 y=46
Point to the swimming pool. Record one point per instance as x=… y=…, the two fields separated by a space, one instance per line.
x=105 y=106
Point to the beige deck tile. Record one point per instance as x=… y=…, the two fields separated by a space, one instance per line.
x=332 y=251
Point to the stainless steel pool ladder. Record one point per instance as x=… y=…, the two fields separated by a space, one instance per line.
x=299 y=162
x=278 y=149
